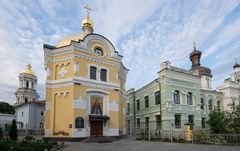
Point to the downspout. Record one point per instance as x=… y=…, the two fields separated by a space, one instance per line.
x=134 y=112
x=159 y=84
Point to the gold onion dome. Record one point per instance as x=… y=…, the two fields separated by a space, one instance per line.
x=87 y=27
x=28 y=70
x=87 y=22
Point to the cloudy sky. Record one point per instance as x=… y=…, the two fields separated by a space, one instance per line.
x=145 y=32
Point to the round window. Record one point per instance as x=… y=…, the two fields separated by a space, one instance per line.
x=98 y=52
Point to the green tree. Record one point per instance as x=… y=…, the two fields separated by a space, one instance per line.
x=13 y=130
x=1 y=133
x=235 y=116
x=217 y=121
x=6 y=108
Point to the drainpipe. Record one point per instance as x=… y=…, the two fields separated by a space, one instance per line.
x=159 y=84
x=134 y=112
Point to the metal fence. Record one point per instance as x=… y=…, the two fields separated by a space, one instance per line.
x=153 y=131
x=26 y=132
x=205 y=137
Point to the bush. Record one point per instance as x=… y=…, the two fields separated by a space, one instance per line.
x=1 y=133
x=27 y=144
x=13 y=131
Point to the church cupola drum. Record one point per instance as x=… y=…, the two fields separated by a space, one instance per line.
x=85 y=86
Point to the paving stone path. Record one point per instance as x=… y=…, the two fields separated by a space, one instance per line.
x=131 y=145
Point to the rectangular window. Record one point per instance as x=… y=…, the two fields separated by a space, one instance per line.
x=128 y=127
x=210 y=104
x=202 y=104
x=146 y=123
x=103 y=75
x=138 y=104
x=128 y=107
x=146 y=101
x=93 y=73
x=157 y=97
x=138 y=123
x=158 y=122
x=191 y=119
x=189 y=98
x=177 y=121
x=176 y=97
x=203 y=122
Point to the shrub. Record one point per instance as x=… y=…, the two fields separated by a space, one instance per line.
x=13 y=131
x=1 y=133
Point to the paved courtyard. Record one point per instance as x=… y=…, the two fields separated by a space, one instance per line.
x=131 y=145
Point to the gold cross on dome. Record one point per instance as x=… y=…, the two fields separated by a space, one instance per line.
x=88 y=9
x=194 y=45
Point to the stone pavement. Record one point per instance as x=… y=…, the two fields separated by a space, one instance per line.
x=131 y=145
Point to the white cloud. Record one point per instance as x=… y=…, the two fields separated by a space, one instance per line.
x=145 y=33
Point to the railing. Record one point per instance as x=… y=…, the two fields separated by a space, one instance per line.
x=205 y=137
x=31 y=132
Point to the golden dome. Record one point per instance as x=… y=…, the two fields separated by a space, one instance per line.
x=67 y=40
x=28 y=70
x=87 y=22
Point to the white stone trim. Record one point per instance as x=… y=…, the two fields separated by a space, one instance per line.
x=79 y=103
x=79 y=132
x=112 y=132
x=113 y=106
x=105 y=102
x=48 y=105
x=76 y=67
x=46 y=132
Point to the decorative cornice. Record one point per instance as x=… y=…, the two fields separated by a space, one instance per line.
x=82 y=81
x=59 y=60
x=96 y=60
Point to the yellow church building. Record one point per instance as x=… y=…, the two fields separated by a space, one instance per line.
x=85 y=87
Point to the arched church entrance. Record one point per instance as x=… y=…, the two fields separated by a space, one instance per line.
x=97 y=119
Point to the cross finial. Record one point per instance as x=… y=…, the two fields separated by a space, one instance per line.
x=194 y=45
x=29 y=66
x=88 y=9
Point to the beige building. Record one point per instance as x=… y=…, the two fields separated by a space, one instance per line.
x=85 y=87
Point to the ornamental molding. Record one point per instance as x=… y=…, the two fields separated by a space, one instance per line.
x=82 y=81
x=58 y=51
x=96 y=60
x=96 y=84
x=58 y=60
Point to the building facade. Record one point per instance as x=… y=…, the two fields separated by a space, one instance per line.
x=177 y=97
x=231 y=89
x=29 y=110
x=85 y=87
x=6 y=120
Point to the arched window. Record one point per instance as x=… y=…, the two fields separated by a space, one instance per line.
x=218 y=104
x=210 y=104
x=189 y=98
x=26 y=100
x=79 y=123
x=176 y=97
x=27 y=85
x=93 y=73
x=103 y=75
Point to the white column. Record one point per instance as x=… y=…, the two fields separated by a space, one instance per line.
x=98 y=74
x=30 y=84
